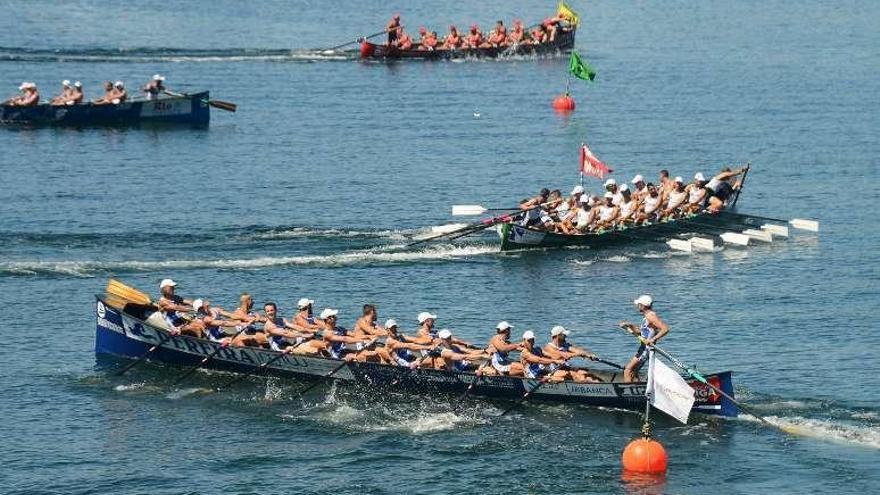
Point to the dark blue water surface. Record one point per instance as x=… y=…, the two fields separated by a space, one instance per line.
x=330 y=163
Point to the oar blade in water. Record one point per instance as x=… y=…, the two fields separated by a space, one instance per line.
x=735 y=239
x=448 y=228
x=758 y=235
x=801 y=224
x=702 y=244
x=776 y=230
x=680 y=245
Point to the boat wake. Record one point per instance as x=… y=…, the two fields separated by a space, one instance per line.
x=833 y=430
x=391 y=254
x=154 y=55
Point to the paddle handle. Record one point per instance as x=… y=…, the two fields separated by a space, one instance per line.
x=741 y=185
x=355 y=41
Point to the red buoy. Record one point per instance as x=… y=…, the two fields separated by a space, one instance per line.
x=646 y=456
x=563 y=103
x=367 y=49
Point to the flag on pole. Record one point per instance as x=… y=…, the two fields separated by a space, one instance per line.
x=566 y=13
x=579 y=68
x=590 y=165
x=668 y=391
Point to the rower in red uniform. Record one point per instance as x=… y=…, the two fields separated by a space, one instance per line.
x=393 y=29
x=539 y=35
x=498 y=36
x=423 y=33
x=475 y=38
x=430 y=42
x=517 y=34
x=404 y=42
x=453 y=39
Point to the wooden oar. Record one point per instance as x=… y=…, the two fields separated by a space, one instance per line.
x=162 y=339
x=467 y=229
x=525 y=396
x=208 y=357
x=222 y=105
x=699 y=377
x=333 y=49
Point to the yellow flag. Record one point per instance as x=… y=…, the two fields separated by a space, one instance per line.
x=566 y=12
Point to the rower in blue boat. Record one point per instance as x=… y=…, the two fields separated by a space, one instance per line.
x=337 y=340
x=29 y=96
x=450 y=356
x=398 y=350
x=500 y=347
x=245 y=314
x=280 y=334
x=155 y=87
x=305 y=319
x=535 y=364
x=366 y=326
x=652 y=329
x=560 y=348
x=66 y=93
x=210 y=322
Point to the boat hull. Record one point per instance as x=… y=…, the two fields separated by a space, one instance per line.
x=563 y=42
x=517 y=237
x=186 y=109
x=120 y=334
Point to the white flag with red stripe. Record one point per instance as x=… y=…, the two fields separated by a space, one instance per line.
x=590 y=165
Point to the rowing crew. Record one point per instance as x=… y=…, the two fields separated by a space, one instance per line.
x=545 y=32
x=621 y=205
x=430 y=348
x=72 y=93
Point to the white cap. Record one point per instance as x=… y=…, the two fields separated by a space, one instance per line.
x=198 y=303
x=158 y=77
x=577 y=190
x=444 y=334
x=77 y=84
x=503 y=325
x=557 y=330
x=700 y=177
x=304 y=303
x=66 y=83
x=528 y=335
x=119 y=84
x=591 y=202
x=679 y=180
x=623 y=188
x=610 y=182
x=638 y=178
x=327 y=313
x=424 y=315
x=644 y=300
x=167 y=283
x=609 y=195
x=585 y=198
x=27 y=85
x=390 y=323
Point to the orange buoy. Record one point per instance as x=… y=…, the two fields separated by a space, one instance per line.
x=645 y=455
x=563 y=103
x=367 y=49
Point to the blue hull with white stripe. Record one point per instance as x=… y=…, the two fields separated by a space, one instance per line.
x=190 y=109
x=124 y=335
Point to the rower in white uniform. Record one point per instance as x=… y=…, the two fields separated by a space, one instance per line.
x=607 y=212
x=677 y=197
x=651 y=205
x=697 y=194
x=452 y=357
x=627 y=206
x=560 y=348
x=538 y=366
x=652 y=329
x=500 y=347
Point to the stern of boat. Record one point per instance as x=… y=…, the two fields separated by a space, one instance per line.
x=708 y=401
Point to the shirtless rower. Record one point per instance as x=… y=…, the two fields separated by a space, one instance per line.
x=155 y=87
x=451 y=356
x=365 y=326
x=697 y=194
x=120 y=94
x=279 y=332
x=398 y=350
x=252 y=336
x=517 y=34
x=404 y=40
x=535 y=364
x=587 y=214
x=474 y=39
x=211 y=323
x=500 y=346
x=539 y=35
x=109 y=94
x=29 y=96
x=393 y=29
x=652 y=329
x=665 y=184
x=676 y=198
x=430 y=42
x=453 y=39
x=77 y=95
x=560 y=348
x=66 y=93
x=173 y=309
x=607 y=213
x=720 y=190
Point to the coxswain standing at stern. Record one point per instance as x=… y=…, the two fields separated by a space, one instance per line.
x=393 y=29
x=652 y=329
x=720 y=189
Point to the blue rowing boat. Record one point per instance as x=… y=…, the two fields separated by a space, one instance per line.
x=192 y=109
x=130 y=332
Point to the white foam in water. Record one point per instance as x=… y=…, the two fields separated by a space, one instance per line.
x=179 y=394
x=90 y=268
x=826 y=429
x=297 y=232
x=583 y=262
x=618 y=259
x=126 y=388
